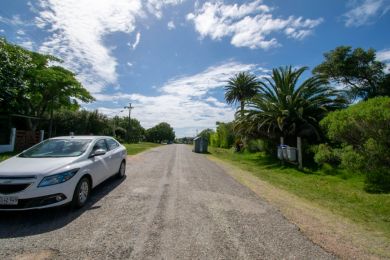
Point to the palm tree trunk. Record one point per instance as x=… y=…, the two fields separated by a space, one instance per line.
x=242 y=103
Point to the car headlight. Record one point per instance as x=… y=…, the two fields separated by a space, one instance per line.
x=57 y=178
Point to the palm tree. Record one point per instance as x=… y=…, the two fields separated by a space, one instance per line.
x=283 y=107
x=241 y=88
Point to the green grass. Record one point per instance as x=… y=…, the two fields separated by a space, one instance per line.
x=139 y=147
x=341 y=193
x=5 y=156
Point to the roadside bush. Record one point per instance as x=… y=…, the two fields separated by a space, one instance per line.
x=255 y=145
x=324 y=154
x=363 y=130
x=224 y=136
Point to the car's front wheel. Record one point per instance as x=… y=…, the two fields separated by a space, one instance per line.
x=81 y=193
x=122 y=170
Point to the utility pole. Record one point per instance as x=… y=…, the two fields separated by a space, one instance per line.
x=128 y=129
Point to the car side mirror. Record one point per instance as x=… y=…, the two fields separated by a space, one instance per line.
x=98 y=152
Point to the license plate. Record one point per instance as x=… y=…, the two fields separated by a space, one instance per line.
x=8 y=200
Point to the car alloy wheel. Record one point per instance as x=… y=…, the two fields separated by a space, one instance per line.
x=82 y=192
x=122 y=170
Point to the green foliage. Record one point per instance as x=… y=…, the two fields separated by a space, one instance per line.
x=224 y=137
x=241 y=88
x=324 y=154
x=31 y=85
x=15 y=63
x=121 y=125
x=81 y=122
x=356 y=69
x=206 y=134
x=363 y=130
x=159 y=133
x=284 y=108
x=255 y=145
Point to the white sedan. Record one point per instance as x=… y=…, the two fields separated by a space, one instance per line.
x=58 y=171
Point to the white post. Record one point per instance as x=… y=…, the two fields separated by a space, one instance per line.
x=12 y=139
x=41 y=135
x=299 y=148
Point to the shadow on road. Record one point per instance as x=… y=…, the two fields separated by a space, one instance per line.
x=33 y=222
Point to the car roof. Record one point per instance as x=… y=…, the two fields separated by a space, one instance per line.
x=79 y=137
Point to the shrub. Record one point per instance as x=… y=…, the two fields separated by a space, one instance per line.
x=255 y=145
x=363 y=130
x=324 y=154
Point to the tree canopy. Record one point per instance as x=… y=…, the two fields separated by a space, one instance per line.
x=283 y=107
x=241 y=88
x=32 y=84
x=159 y=133
x=356 y=69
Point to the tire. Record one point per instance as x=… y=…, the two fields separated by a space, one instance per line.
x=122 y=170
x=81 y=193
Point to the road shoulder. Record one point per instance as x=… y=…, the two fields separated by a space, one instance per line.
x=332 y=232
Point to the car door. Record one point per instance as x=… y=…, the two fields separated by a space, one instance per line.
x=115 y=155
x=100 y=168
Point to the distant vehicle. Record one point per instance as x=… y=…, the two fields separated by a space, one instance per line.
x=59 y=171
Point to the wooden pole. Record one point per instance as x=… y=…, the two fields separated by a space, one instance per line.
x=281 y=144
x=299 y=148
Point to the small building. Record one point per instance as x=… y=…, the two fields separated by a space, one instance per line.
x=200 y=145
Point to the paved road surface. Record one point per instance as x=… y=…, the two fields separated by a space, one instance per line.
x=174 y=204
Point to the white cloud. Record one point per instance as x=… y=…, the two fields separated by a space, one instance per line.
x=129 y=64
x=384 y=56
x=137 y=40
x=249 y=25
x=171 y=25
x=364 y=12
x=155 y=6
x=185 y=102
x=15 y=20
x=77 y=31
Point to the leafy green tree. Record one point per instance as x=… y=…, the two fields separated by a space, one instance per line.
x=206 y=133
x=33 y=86
x=360 y=135
x=159 y=133
x=241 y=88
x=357 y=70
x=120 y=124
x=224 y=136
x=284 y=107
x=80 y=122
x=15 y=63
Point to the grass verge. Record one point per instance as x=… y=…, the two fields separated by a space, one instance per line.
x=340 y=194
x=5 y=156
x=139 y=147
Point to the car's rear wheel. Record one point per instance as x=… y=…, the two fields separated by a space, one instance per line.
x=122 y=170
x=82 y=193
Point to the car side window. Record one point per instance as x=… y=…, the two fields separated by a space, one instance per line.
x=112 y=144
x=101 y=144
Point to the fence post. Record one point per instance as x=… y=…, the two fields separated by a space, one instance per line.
x=12 y=139
x=299 y=148
x=41 y=135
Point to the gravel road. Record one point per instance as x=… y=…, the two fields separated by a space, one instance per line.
x=174 y=204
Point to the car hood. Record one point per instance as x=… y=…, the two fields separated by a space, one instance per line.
x=19 y=166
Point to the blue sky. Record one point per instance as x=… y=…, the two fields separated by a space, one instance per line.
x=171 y=58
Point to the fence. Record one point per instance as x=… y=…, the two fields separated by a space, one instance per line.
x=21 y=140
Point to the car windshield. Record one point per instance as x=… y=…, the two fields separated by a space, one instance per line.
x=57 y=148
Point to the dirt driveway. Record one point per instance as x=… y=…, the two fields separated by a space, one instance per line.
x=174 y=204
